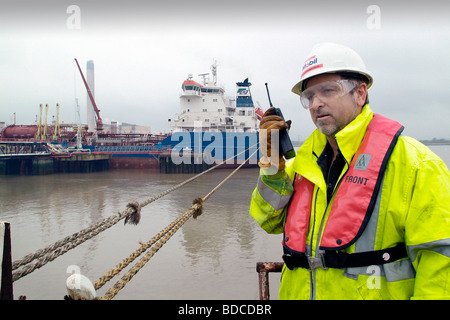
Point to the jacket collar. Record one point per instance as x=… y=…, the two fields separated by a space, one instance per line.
x=348 y=140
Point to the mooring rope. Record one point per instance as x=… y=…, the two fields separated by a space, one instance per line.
x=51 y=252
x=163 y=236
x=124 y=263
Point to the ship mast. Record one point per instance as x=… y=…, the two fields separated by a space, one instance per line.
x=214 y=72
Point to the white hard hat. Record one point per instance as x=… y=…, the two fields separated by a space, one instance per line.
x=332 y=58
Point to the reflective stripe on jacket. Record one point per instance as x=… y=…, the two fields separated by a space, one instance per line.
x=412 y=208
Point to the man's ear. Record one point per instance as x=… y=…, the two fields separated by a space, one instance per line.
x=360 y=94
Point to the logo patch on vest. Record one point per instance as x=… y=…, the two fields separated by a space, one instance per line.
x=363 y=161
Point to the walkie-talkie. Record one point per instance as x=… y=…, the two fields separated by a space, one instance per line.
x=286 y=148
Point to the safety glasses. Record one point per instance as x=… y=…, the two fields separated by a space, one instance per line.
x=326 y=91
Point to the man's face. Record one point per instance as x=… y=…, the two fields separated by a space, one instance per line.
x=332 y=115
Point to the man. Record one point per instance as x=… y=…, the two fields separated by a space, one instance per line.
x=364 y=211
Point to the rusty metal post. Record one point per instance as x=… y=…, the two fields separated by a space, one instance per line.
x=263 y=269
x=263 y=278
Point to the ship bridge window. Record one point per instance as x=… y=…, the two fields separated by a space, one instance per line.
x=191 y=87
x=210 y=90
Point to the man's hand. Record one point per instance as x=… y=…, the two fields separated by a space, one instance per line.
x=268 y=124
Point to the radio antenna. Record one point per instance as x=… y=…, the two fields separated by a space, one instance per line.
x=268 y=95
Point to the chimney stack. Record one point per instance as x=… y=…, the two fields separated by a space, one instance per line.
x=90 y=108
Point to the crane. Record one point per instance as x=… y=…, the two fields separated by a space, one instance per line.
x=38 y=132
x=57 y=129
x=44 y=133
x=97 y=111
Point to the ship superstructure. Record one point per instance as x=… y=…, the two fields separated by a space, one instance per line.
x=210 y=123
x=205 y=107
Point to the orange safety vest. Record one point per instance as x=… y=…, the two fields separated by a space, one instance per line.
x=352 y=206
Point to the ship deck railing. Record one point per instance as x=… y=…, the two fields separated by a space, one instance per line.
x=129 y=148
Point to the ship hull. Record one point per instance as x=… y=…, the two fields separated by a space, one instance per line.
x=187 y=148
x=232 y=148
x=134 y=161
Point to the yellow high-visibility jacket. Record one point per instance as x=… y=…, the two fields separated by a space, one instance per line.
x=413 y=208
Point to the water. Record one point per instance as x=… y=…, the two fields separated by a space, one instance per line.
x=211 y=257
x=442 y=151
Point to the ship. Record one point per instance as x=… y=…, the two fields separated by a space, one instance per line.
x=210 y=123
x=210 y=128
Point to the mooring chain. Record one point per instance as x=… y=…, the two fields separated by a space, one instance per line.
x=164 y=236
x=54 y=250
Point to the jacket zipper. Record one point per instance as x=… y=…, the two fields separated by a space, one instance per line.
x=313 y=272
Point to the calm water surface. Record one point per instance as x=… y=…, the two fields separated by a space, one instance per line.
x=211 y=257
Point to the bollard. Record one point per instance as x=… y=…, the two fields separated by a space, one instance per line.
x=6 y=287
x=79 y=287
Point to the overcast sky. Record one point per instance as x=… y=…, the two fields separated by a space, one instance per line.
x=143 y=51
